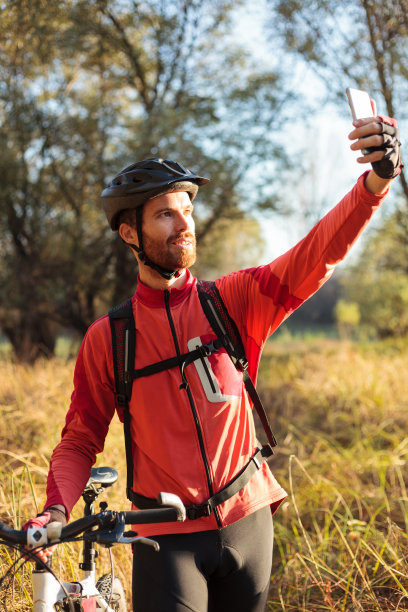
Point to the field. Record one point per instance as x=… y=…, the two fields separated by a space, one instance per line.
x=339 y=411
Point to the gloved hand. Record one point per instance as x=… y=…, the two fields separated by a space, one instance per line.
x=390 y=165
x=53 y=513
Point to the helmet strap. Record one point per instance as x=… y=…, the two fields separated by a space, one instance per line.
x=167 y=274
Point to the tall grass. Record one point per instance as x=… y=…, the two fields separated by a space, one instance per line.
x=340 y=414
x=341 y=536
x=33 y=403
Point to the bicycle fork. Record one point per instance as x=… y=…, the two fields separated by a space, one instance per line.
x=47 y=590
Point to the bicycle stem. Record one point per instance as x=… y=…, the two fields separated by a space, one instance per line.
x=89 y=554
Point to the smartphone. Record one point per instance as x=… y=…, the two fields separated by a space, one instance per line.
x=360 y=103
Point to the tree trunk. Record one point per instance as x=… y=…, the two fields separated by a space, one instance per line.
x=30 y=334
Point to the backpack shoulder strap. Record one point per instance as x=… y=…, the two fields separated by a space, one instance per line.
x=224 y=326
x=123 y=331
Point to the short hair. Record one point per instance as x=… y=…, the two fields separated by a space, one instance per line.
x=128 y=215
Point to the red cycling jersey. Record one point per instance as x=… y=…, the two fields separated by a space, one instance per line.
x=193 y=442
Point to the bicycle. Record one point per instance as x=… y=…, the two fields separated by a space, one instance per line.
x=105 y=528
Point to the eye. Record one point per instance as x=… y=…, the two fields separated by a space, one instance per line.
x=163 y=214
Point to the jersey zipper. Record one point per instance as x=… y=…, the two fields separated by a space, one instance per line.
x=192 y=405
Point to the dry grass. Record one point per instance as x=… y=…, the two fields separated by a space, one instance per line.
x=33 y=403
x=341 y=536
x=340 y=413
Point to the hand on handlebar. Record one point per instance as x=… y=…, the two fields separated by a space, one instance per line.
x=50 y=515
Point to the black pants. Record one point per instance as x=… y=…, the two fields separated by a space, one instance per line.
x=209 y=571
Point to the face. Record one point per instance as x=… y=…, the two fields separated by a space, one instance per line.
x=169 y=231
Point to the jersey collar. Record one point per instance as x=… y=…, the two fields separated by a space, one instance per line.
x=154 y=298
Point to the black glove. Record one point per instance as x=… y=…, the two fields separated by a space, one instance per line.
x=390 y=165
x=56 y=515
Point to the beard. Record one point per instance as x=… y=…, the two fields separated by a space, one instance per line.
x=167 y=255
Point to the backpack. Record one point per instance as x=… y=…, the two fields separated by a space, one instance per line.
x=123 y=347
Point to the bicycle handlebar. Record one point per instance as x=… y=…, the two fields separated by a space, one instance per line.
x=111 y=526
x=12 y=535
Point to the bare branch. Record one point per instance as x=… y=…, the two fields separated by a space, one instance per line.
x=138 y=69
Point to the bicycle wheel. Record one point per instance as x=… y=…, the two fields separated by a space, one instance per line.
x=118 y=599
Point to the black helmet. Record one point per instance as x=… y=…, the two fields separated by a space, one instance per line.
x=146 y=179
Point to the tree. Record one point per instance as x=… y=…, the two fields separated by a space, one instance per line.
x=234 y=243
x=86 y=88
x=48 y=173
x=378 y=282
x=359 y=43
x=347 y=318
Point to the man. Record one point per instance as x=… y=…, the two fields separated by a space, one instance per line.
x=192 y=429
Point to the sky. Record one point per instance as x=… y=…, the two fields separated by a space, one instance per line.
x=327 y=132
x=337 y=175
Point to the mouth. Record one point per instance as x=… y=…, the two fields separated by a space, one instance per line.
x=183 y=242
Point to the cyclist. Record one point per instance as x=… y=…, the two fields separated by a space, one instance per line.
x=192 y=431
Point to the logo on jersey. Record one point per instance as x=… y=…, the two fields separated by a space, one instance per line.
x=219 y=378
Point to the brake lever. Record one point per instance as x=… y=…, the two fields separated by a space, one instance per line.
x=116 y=535
x=107 y=535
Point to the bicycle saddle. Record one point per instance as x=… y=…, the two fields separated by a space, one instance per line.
x=103 y=476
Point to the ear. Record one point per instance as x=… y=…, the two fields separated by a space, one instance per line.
x=128 y=234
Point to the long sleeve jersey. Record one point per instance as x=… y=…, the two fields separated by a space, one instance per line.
x=193 y=441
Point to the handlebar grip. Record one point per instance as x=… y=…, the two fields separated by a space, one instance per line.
x=13 y=535
x=153 y=515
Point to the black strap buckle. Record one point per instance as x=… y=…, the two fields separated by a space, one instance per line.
x=204 y=350
x=242 y=364
x=198 y=511
x=207 y=349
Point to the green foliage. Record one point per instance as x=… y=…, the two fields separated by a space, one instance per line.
x=347 y=317
x=232 y=244
x=349 y=43
x=361 y=43
x=85 y=89
x=383 y=302
x=355 y=43
x=378 y=281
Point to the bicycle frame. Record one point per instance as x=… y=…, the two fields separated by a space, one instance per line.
x=47 y=591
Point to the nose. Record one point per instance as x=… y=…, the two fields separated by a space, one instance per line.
x=183 y=222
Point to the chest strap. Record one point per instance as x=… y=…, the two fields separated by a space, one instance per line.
x=196 y=511
x=224 y=326
x=123 y=343
x=181 y=361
